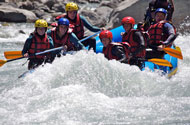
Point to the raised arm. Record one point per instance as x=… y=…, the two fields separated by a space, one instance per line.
x=88 y=25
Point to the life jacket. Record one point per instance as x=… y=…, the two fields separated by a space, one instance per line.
x=108 y=50
x=39 y=45
x=78 y=28
x=128 y=37
x=65 y=40
x=157 y=34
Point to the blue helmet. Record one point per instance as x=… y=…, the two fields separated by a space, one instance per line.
x=63 y=21
x=161 y=10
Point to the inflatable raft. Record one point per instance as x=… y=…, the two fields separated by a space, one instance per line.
x=166 y=70
x=169 y=71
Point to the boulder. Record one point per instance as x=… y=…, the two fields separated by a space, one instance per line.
x=121 y=11
x=10 y=14
x=58 y=8
x=94 y=1
x=28 y=5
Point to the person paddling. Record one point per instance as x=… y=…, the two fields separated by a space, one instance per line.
x=37 y=42
x=150 y=12
x=136 y=40
x=62 y=36
x=79 y=23
x=162 y=34
x=113 y=50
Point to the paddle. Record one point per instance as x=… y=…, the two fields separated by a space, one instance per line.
x=175 y=53
x=172 y=52
x=17 y=54
x=12 y=54
x=2 y=62
x=161 y=62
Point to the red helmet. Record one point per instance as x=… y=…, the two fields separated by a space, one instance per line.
x=128 y=19
x=106 y=34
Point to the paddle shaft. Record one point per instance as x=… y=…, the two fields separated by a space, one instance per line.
x=15 y=59
x=2 y=62
x=157 y=61
x=59 y=48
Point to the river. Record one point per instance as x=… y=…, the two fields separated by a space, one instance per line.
x=86 y=88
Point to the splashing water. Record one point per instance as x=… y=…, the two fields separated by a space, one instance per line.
x=86 y=88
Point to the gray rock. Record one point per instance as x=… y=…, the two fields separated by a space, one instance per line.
x=94 y=18
x=59 y=8
x=120 y=12
x=109 y=12
x=21 y=31
x=94 y=1
x=111 y=3
x=10 y=14
x=26 y=5
x=50 y=3
x=39 y=13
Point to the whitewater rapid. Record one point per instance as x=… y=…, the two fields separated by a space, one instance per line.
x=85 y=88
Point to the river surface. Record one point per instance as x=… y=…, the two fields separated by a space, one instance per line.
x=87 y=89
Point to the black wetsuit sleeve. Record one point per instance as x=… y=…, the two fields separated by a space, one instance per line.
x=168 y=29
x=76 y=42
x=120 y=53
x=138 y=37
x=88 y=25
x=27 y=45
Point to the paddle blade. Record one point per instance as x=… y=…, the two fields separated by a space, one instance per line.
x=12 y=54
x=175 y=53
x=2 y=62
x=161 y=62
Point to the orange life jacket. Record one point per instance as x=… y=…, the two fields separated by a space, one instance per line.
x=128 y=37
x=39 y=45
x=156 y=32
x=78 y=28
x=107 y=50
x=65 y=40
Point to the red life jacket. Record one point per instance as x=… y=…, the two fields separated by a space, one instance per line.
x=65 y=40
x=107 y=50
x=78 y=28
x=39 y=45
x=128 y=37
x=156 y=32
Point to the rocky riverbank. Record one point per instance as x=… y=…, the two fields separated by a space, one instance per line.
x=102 y=13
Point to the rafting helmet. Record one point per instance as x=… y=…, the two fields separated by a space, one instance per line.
x=161 y=10
x=106 y=34
x=63 y=21
x=41 y=23
x=128 y=19
x=71 y=6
